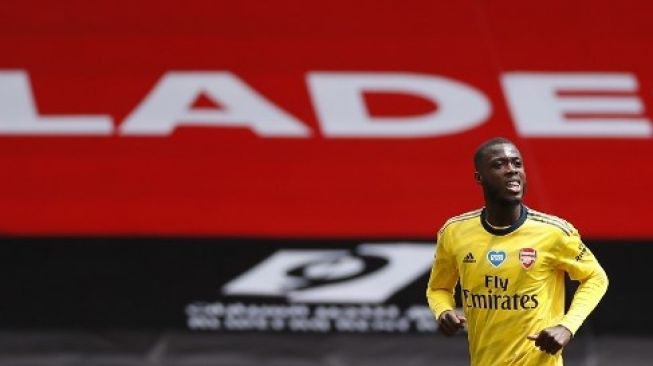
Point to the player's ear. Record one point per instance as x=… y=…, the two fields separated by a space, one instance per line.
x=478 y=178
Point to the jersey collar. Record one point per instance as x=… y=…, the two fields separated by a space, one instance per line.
x=516 y=225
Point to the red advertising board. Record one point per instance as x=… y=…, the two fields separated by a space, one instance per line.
x=318 y=119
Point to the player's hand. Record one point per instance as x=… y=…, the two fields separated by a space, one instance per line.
x=552 y=339
x=450 y=321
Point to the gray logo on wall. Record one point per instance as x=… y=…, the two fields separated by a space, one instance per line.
x=324 y=290
x=370 y=275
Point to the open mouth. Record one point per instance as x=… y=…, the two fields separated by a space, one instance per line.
x=513 y=186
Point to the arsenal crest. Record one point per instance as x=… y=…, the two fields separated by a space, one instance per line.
x=527 y=257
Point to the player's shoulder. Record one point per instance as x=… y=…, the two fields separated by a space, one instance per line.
x=460 y=219
x=551 y=221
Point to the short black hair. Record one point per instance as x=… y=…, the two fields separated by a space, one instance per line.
x=480 y=151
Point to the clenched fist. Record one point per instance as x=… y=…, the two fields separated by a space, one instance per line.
x=450 y=321
x=552 y=339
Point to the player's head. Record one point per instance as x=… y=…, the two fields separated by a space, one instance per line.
x=500 y=171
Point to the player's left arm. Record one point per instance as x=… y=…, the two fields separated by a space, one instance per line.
x=575 y=258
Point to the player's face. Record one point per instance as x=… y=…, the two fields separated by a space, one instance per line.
x=501 y=173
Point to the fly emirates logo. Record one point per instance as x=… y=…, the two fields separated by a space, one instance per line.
x=497 y=297
x=578 y=104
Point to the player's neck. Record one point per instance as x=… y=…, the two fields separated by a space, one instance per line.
x=502 y=215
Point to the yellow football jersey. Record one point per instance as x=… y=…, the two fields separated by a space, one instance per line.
x=512 y=283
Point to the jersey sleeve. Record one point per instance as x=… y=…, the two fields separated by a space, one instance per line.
x=443 y=279
x=575 y=258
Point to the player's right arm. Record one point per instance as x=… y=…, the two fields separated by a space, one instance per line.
x=440 y=289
